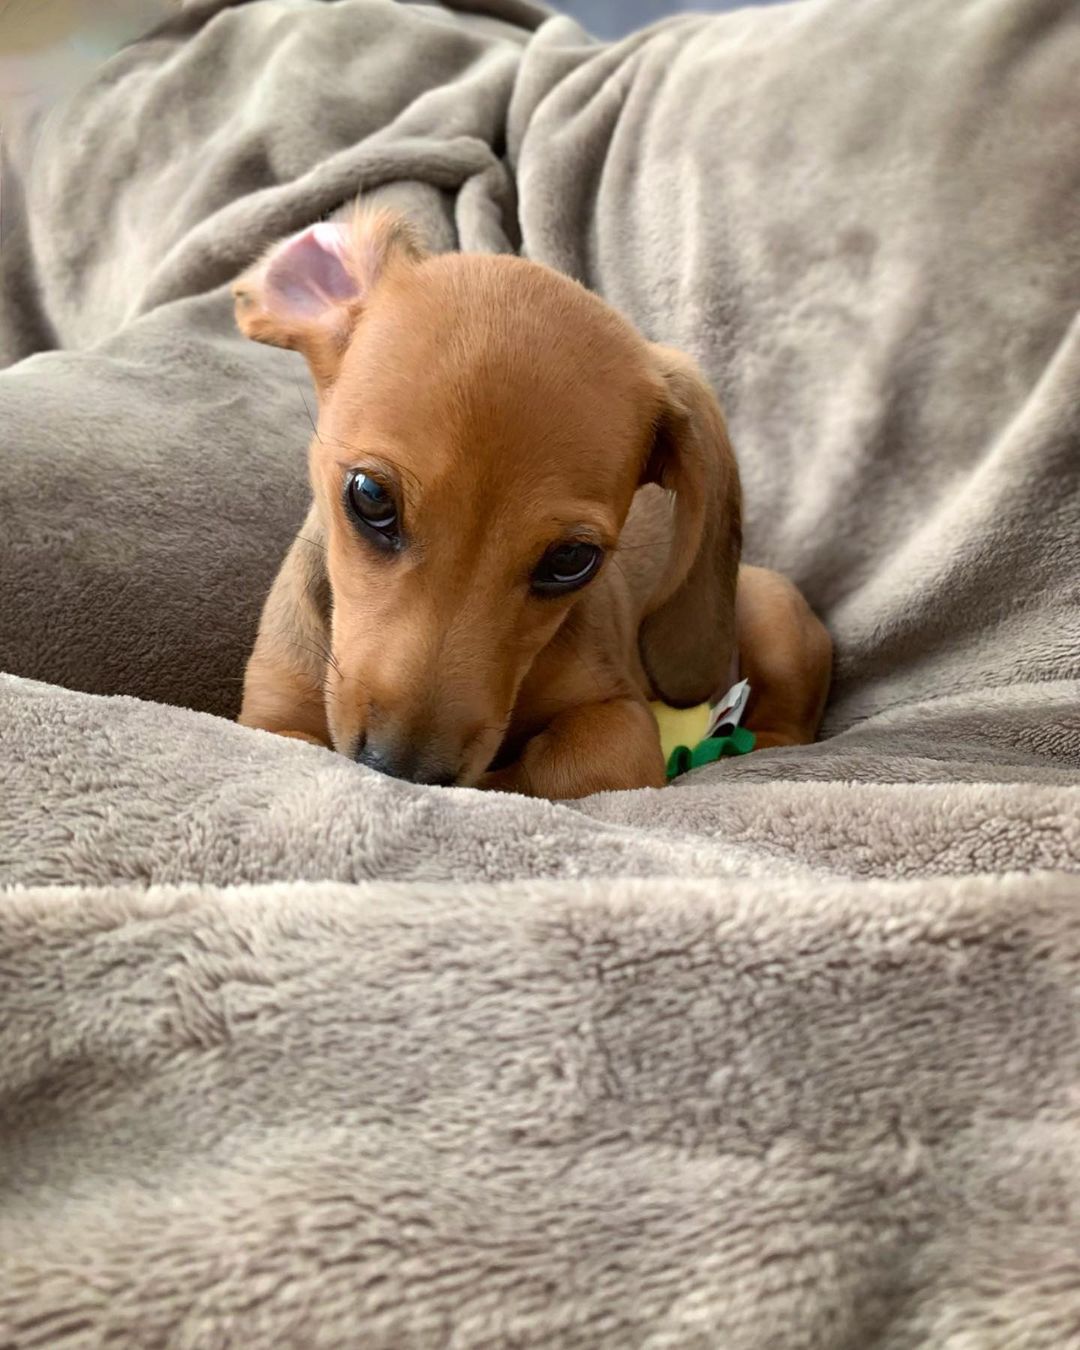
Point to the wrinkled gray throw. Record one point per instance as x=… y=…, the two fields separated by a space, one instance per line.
x=786 y=1055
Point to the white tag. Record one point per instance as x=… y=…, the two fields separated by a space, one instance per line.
x=730 y=709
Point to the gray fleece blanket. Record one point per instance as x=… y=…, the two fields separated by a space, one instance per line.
x=785 y=1055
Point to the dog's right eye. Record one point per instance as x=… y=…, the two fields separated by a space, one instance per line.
x=372 y=505
x=567 y=567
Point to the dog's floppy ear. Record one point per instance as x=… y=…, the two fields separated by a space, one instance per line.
x=687 y=638
x=308 y=291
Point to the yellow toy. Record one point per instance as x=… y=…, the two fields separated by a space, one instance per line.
x=690 y=737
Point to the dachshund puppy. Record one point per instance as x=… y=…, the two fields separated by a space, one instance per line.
x=524 y=527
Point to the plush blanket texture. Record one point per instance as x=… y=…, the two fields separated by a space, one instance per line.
x=786 y=1055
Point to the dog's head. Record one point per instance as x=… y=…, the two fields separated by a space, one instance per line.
x=484 y=424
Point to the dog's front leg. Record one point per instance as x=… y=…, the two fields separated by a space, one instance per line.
x=282 y=692
x=283 y=682
x=272 y=703
x=304 y=736
x=597 y=747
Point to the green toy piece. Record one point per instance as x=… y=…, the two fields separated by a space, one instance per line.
x=739 y=741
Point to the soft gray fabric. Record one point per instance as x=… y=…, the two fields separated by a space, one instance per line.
x=786 y=1055
x=540 y=1114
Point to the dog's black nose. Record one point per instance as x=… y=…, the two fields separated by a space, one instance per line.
x=414 y=764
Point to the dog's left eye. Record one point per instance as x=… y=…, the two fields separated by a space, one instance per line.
x=372 y=504
x=566 y=567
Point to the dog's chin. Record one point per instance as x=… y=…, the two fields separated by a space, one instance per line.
x=487 y=754
x=472 y=771
x=473 y=774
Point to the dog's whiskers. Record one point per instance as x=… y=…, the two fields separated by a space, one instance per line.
x=327 y=658
x=311 y=419
x=332 y=662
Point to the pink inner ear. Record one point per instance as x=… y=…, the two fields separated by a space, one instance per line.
x=307 y=274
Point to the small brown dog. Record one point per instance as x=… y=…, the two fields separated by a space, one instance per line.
x=491 y=583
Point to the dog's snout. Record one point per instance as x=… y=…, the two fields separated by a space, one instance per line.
x=410 y=762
